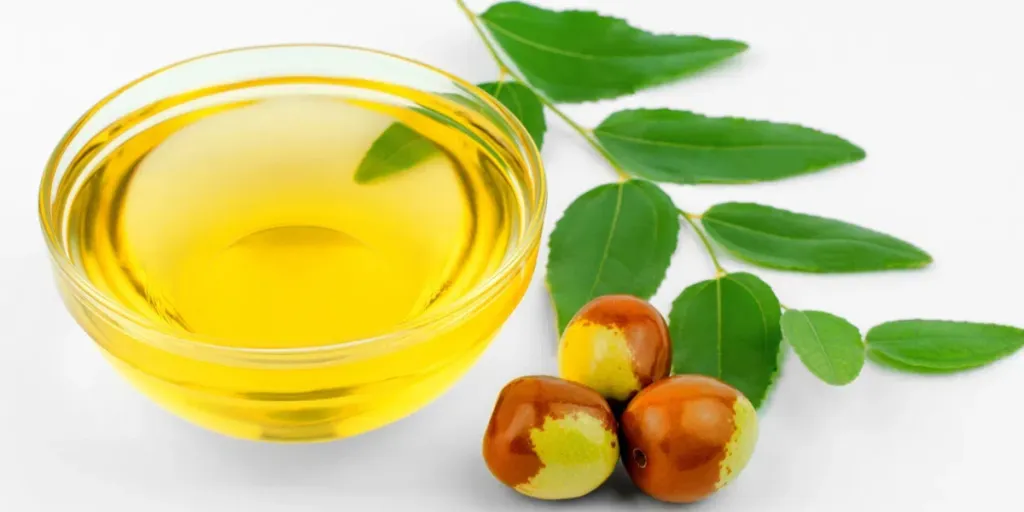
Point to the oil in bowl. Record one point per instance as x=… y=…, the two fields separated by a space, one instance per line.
x=244 y=223
x=294 y=243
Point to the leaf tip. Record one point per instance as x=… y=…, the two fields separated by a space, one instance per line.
x=362 y=178
x=857 y=153
x=366 y=173
x=926 y=259
x=918 y=258
x=925 y=255
x=737 y=46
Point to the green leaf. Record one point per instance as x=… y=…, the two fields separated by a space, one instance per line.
x=576 y=56
x=728 y=328
x=937 y=346
x=523 y=103
x=615 y=239
x=683 y=147
x=398 y=148
x=829 y=346
x=775 y=238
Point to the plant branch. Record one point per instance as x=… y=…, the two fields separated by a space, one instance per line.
x=584 y=132
x=505 y=69
x=480 y=32
x=688 y=217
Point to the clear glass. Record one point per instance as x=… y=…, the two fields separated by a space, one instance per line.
x=313 y=393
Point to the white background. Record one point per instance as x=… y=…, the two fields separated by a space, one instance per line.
x=932 y=89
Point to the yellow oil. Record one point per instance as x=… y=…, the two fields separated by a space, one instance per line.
x=241 y=225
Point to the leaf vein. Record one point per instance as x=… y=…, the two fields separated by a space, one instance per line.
x=824 y=349
x=760 y=308
x=594 y=57
x=869 y=243
x=608 y=241
x=682 y=145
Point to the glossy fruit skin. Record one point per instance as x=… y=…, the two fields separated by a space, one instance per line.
x=616 y=345
x=551 y=439
x=685 y=437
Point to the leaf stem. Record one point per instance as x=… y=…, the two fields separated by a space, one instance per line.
x=480 y=32
x=503 y=69
x=587 y=134
x=689 y=218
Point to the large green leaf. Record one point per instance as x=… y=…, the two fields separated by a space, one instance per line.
x=728 y=328
x=684 y=147
x=523 y=103
x=776 y=238
x=616 y=238
x=934 y=346
x=576 y=56
x=829 y=346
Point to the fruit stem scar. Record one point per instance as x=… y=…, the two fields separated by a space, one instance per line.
x=640 y=458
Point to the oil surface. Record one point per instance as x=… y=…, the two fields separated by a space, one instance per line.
x=244 y=223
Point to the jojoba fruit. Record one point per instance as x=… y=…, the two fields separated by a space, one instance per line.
x=551 y=439
x=685 y=437
x=616 y=345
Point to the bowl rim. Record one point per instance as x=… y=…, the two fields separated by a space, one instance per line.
x=482 y=292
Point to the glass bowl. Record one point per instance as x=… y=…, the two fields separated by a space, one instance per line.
x=301 y=393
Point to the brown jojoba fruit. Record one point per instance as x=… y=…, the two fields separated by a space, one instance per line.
x=686 y=437
x=616 y=345
x=551 y=439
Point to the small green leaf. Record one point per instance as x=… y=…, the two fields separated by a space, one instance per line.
x=576 y=56
x=616 y=238
x=398 y=148
x=937 y=346
x=728 y=328
x=829 y=346
x=775 y=238
x=523 y=103
x=683 y=147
